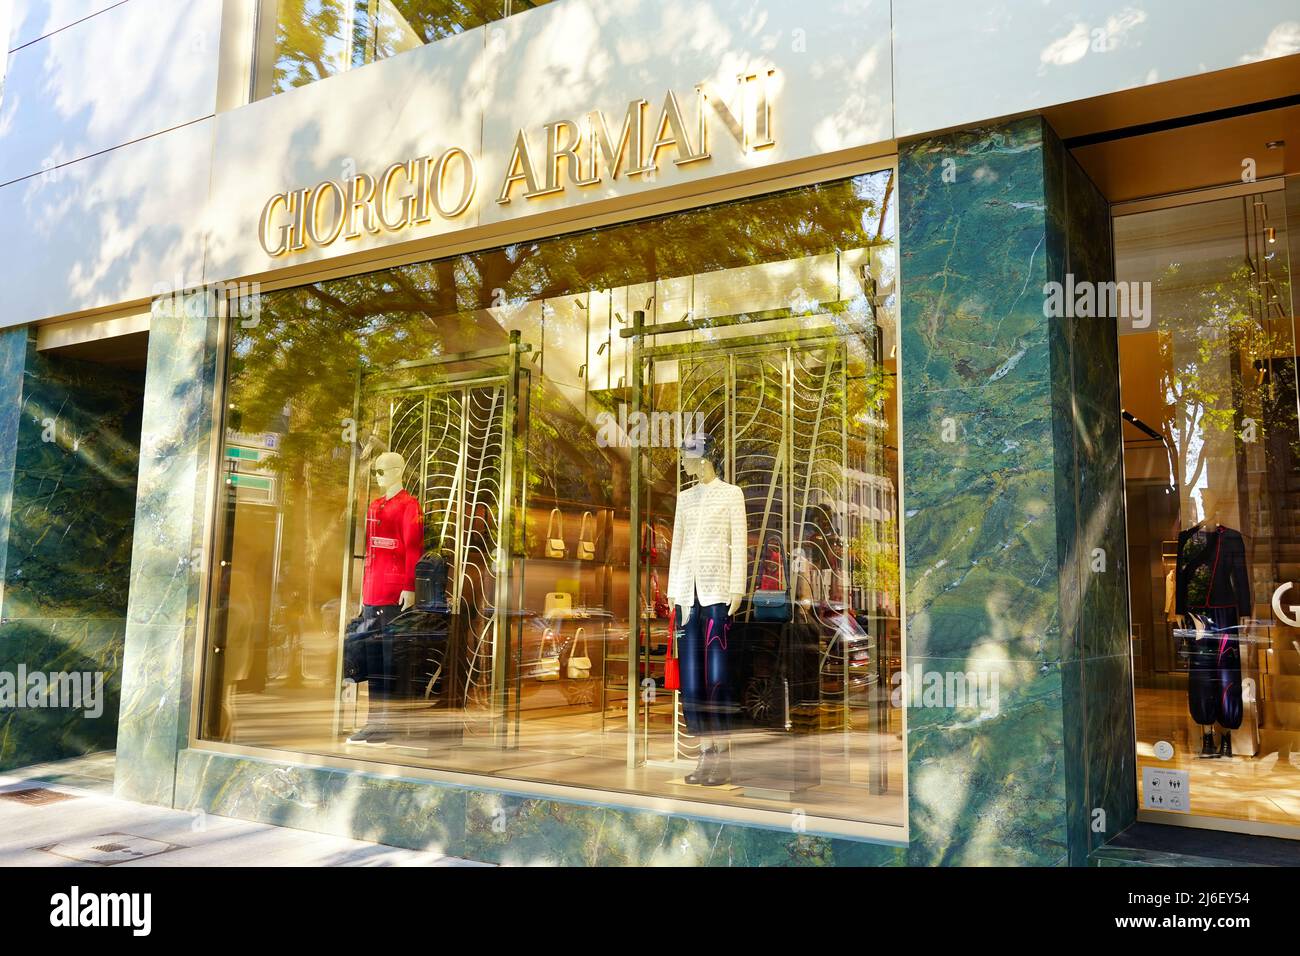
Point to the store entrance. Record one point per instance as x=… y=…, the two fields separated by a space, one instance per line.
x=71 y=521
x=1212 y=473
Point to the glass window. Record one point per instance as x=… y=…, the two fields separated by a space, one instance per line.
x=301 y=41
x=1212 y=474
x=612 y=510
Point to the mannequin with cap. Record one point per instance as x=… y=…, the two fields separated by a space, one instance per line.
x=394 y=541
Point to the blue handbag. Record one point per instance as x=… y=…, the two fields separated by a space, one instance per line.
x=771 y=603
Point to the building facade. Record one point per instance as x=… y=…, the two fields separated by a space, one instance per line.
x=725 y=433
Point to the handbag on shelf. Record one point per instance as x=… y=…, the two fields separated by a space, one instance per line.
x=663 y=538
x=771 y=602
x=558 y=604
x=547 y=667
x=672 y=665
x=660 y=607
x=586 y=542
x=579 y=664
x=649 y=543
x=555 y=547
x=809 y=581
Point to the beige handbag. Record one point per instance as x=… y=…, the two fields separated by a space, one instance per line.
x=579 y=664
x=558 y=604
x=555 y=535
x=586 y=543
x=548 y=658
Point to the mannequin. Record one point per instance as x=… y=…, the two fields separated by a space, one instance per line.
x=394 y=542
x=706 y=580
x=1213 y=596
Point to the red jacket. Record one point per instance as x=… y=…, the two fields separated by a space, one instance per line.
x=394 y=540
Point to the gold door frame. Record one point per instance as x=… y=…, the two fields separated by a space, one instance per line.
x=785 y=342
x=508 y=427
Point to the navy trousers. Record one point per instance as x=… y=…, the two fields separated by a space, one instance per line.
x=1214 y=676
x=708 y=697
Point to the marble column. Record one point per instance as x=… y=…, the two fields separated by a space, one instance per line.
x=13 y=356
x=167 y=561
x=1013 y=497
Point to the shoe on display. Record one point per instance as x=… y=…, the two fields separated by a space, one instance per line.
x=361 y=736
x=719 y=772
x=378 y=737
x=703 y=768
x=1225 y=745
x=1207 y=747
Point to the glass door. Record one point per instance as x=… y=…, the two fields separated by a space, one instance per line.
x=809 y=707
x=1212 y=474
x=449 y=424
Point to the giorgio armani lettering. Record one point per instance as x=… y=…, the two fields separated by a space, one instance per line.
x=405 y=194
x=563 y=153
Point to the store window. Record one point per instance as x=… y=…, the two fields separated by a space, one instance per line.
x=302 y=41
x=614 y=510
x=1212 y=472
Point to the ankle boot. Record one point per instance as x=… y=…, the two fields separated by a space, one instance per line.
x=1207 y=746
x=719 y=772
x=1225 y=744
x=704 y=768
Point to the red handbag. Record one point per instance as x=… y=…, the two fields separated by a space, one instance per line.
x=672 y=667
x=660 y=604
x=649 y=543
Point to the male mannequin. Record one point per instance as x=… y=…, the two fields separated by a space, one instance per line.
x=1213 y=595
x=394 y=542
x=706 y=581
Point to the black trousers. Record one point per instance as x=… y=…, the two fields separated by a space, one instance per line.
x=379 y=651
x=1214 y=675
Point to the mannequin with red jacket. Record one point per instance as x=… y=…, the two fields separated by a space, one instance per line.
x=394 y=542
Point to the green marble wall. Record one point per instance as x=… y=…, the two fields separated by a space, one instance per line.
x=495 y=825
x=71 y=438
x=1097 y=662
x=1113 y=856
x=153 y=724
x=1012 y=478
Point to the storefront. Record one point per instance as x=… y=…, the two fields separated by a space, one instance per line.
x=598 y=444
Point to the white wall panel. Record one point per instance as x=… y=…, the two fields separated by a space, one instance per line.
x=105 y=230
x=136 y=69
x=33 y=19
x=102 y=231
x=961 y=61
x=6 y=11
x=831 y=89
x=416 y=104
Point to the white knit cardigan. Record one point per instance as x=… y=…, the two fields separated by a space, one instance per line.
x=710 y=546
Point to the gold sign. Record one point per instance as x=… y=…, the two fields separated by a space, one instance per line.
x=580 y=154
x=588 y=152
x=366 y=204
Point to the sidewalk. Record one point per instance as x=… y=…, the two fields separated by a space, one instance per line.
x=64 y=814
